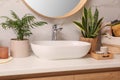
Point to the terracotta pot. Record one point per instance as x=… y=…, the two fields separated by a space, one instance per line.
x=3 y=52
x=93 y=42
x=19 y=48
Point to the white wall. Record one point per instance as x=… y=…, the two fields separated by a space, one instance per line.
x=109 y=9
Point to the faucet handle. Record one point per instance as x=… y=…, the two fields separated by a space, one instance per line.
x=54 y=26
x=60 y=28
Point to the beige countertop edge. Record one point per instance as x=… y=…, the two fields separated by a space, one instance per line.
x=59 y=73
x=32 y=67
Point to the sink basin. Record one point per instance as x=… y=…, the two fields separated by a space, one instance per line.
x=60 y=49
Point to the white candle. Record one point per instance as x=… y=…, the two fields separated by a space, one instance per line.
x=99 y=52
x=104 y=49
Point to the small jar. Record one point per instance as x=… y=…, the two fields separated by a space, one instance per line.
x=104 y=49
x=3 y=52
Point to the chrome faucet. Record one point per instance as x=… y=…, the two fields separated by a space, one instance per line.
x=55 y=30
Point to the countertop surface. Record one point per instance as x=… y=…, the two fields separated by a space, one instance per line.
x=33 y=64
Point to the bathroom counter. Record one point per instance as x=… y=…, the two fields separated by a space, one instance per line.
x=33 y=67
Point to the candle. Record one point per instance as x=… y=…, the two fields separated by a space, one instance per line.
x=3 y=52
x=99 y=52
x=104 y=49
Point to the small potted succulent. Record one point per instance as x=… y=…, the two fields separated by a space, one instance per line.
x=115 y=28
x=90 y=25
x=19 y=47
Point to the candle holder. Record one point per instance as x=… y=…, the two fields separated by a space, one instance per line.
x=3 y=52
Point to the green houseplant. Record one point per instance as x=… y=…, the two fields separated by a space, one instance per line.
x=90 y=26
x=22 y=27
x=115 y=28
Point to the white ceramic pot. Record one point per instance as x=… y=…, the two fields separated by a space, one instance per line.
x=19 y=48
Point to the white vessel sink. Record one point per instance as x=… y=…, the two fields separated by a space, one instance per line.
x=60 y=49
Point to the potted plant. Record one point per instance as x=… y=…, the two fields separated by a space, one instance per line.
x=115 y=28
x=90 y=26
x=19 y=47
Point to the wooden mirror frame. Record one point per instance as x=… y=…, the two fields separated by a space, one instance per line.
x=73 y=11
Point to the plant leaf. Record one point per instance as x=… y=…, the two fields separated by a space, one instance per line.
x=40 y=23
x=96 y=14
x=85 y=13
x=79 y=25
x=14 y=15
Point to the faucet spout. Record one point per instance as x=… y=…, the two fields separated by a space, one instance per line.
x=55 y=30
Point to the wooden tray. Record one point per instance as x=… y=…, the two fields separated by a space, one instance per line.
x=101 y=56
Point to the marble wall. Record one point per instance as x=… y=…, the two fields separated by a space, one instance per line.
x=109 y=9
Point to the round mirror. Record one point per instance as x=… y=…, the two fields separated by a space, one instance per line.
x=55 y=8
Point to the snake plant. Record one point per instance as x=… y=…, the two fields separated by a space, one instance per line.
x=90 y=24
x=22 y=25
